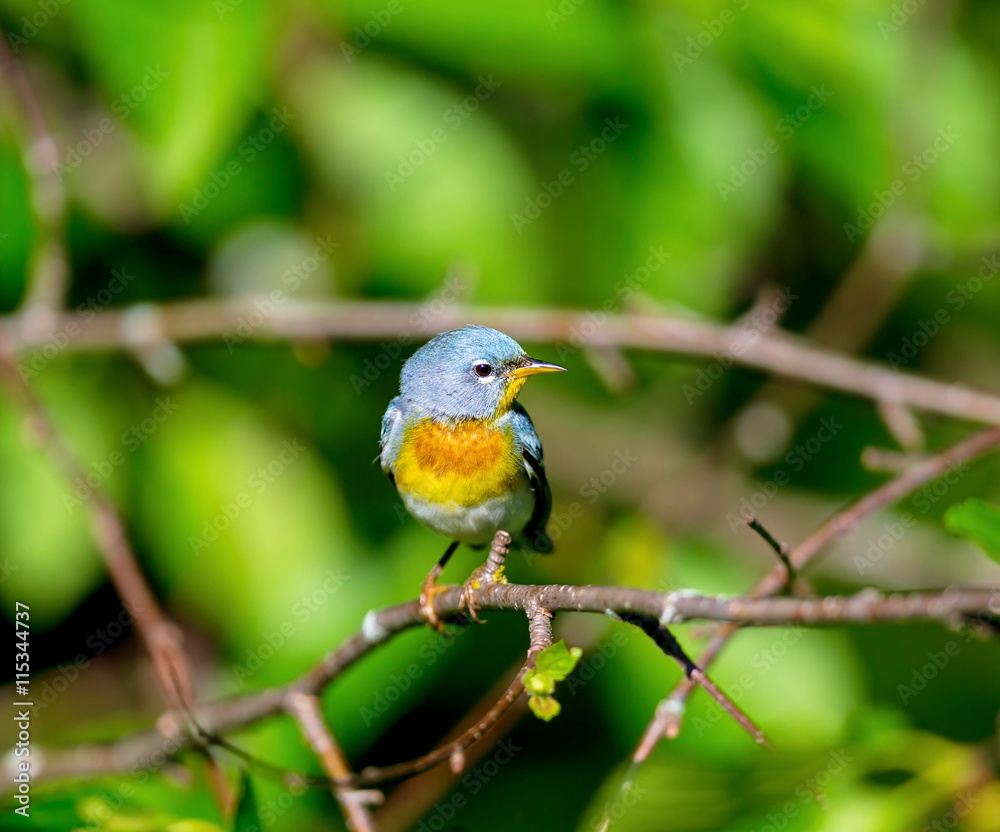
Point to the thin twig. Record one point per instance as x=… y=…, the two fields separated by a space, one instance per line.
x=850 y=316
x=48 y=277
x=540 y=636
x=839 y=524
x=413 y=798
x=161 y=636
x=306 y=711
x=779 y=546
x=665 y=640
x=902 y=424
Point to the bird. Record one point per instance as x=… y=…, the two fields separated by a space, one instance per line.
x=460 y=449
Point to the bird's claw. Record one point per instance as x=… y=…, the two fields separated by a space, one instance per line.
x=483 y=574
x=428 y=590
x=467 y=602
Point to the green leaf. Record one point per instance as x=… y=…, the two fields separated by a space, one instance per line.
x=94 y=810
x=183 y=80
x=552 y=665
x=370 y=120
x=544 y=707
x=43 y=520
x=539 y=684
x=978 y=521
x=217 y=576
x=246 y=818
x=18 y=232
x=557 y=661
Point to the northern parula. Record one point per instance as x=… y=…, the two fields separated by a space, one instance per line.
x=461 y=451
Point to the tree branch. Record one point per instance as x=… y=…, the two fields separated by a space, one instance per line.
x=305 y=710
x=48 y=278
x=152 y=748
x=670 y=712
x=162 y=638
x=777 y=352
x=540 y=635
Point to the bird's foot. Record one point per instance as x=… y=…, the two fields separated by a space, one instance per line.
x=489 y=572
x=428 y=590
x=484 y=574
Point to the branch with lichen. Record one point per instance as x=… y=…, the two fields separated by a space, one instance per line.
x=952 y=607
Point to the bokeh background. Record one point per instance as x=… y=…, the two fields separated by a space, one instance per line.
x=833 y=161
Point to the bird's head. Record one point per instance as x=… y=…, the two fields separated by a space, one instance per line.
x=470 y=373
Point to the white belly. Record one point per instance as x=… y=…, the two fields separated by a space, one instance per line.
x=475 y=524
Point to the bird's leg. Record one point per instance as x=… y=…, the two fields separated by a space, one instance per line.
x=489 y=572
x=430 y=588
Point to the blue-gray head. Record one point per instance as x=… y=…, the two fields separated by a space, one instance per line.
x=470 y=373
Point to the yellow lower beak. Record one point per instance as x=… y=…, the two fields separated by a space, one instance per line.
x=532 y=366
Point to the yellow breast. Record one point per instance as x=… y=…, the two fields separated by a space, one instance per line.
x=466 y=462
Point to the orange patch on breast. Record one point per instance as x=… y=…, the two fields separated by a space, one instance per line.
x=465 y=462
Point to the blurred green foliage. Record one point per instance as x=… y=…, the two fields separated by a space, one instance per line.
x=582 y=153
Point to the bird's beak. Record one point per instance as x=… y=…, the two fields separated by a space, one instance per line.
x=532 y=366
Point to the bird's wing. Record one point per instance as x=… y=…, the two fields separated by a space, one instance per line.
x=531 y=449
x=388 y=443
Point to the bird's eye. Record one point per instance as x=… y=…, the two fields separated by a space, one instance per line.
x=482 y=369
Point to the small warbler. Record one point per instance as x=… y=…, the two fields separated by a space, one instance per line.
x=461 y=451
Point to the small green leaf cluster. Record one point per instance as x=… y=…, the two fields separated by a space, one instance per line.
x=553 y=664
